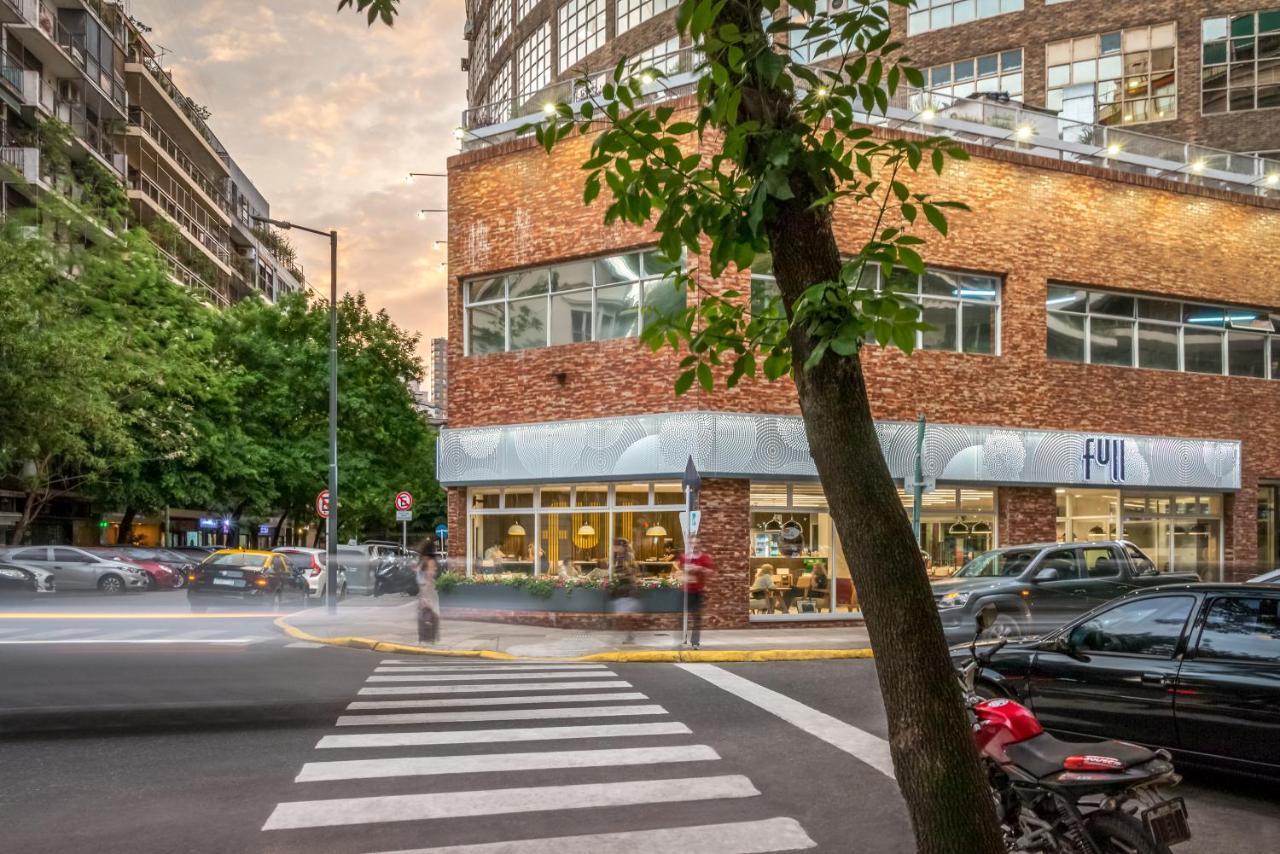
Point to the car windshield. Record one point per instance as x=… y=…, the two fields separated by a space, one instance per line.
x=249 y=560
x=302 y=560
x=998 y=564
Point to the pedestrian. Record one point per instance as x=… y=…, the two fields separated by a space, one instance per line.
x=696 y=568
x=428 y=600
x=624 y=583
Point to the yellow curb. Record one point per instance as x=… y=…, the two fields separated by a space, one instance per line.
x=637 y=656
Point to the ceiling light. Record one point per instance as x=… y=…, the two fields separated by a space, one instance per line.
x=516 y=530
x=1113 y=149
x=1128 y=117
x=1024 y=132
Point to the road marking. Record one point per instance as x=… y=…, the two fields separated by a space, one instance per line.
x=487 y=668
x=500 y=715
x=472 y=689
x=494 y=701
x=125 y=615
x=61 y=633
x=421 y=766
x=747 y=837
x=347 y=811
x=860 y=744
x=303 y=645
x=489 y=736
x=497 y=677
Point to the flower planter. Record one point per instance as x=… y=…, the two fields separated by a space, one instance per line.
x=504 y=597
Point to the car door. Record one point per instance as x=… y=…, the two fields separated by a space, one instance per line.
x=1115 y=678
x=78 y=565
x=1102 y=579
x=1059 y=595
x=1227 y=701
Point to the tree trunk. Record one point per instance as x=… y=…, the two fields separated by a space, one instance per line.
x=275 y=535
x=31 y=508
x=235 y=524
x=125 y=534
x=936 y=763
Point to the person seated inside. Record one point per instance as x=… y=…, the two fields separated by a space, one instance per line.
x=821 y=584
x=762 y=588
x=566 y=569
x=493 y=558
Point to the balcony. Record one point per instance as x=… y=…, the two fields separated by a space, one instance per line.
x=11 y=72
x=71 y=47
x=184 y=275
x=201 y=234
x=24 y=162
x=183 y=105
x=142 y=120
x=36 y=92
x=982 y=121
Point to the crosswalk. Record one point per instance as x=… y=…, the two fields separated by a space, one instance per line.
x=423 y=745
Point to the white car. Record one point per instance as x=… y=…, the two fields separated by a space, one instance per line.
x=77 y=569
x=45 y=582
x=311 y=564
x=1272 y=577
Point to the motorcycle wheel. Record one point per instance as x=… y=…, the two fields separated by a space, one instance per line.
x=1120 y=833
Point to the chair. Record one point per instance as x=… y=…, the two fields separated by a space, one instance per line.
x=845 y=594
x=759 y=602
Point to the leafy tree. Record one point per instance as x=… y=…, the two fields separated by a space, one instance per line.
x=761 y=164
x=60 y=422
x=377 y=10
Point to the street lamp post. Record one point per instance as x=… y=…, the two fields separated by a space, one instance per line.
x=331 y=530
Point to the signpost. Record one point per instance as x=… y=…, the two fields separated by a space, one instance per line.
x=404 y=515
x=689 y=521
x=917 y=485
x=442 y=535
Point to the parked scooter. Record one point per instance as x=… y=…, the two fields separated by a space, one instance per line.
x=395 y=575
x=1058 y=797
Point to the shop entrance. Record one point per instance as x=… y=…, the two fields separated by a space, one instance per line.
x=1180 y=532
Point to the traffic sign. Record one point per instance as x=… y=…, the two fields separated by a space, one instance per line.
x=322 y=504
x=927 y=485
x=442 y=531
x=692 y=480
x=404 y=515
x=404 y=501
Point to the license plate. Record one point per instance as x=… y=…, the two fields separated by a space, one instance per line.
x=1167 y=822
x=228 y=582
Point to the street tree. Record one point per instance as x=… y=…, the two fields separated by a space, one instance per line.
x=770 y=148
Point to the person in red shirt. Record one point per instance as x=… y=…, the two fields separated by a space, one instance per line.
x=696 y=568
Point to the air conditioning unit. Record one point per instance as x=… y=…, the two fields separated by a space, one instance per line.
x=468 y=30
x=466 y=63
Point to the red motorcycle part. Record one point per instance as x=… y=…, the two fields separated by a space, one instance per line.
x=1002 y=722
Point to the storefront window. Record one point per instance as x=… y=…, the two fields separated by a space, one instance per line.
x=1268 y=552
x=502 y=543
x=1180 y=532
x=955 y=525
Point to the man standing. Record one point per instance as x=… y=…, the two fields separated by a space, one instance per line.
x=696 y=569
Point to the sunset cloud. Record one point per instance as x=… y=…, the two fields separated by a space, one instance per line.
x=327 y=117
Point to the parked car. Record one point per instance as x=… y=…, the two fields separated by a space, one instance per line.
x=78 y=569
x=16 y=583
x=1036 y=588
x=164 y=559
x=194 y=554
x=1193 y=668
x=42 y=578
x=1272 y=577
x=362 y=562
x=312 y=563
x=243 y=576
x=159 y=575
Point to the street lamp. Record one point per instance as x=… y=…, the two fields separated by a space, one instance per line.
x=422 y=214
x=331 y=531
x=409 y=178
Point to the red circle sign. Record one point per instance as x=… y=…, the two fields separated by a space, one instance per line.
x=322 y=504
x=404 y=501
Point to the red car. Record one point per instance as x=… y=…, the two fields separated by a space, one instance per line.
x=161 y=575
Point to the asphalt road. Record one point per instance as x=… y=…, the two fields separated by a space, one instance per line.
x=257 y=747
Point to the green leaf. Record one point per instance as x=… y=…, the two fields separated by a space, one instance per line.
x=705 y=378
x=936 y=218
x=684 y=382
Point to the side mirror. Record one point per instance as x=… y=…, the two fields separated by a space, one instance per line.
x=986 y=617
x=1049 y=573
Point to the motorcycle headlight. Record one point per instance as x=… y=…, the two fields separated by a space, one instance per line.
x=956 y=599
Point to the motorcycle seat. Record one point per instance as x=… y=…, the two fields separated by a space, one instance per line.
x=1045 y=755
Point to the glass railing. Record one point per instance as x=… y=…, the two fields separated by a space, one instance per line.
x=142 y=120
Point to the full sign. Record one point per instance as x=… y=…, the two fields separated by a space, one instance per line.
x=404 y=501
x=322 y=504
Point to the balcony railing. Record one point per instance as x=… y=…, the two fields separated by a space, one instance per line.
x=23 y=160
x=165 y=81
x=139 y=118
x=11 y=72
x=982 y=120
x=186 y=276
x=41 y=15
x=194 y=228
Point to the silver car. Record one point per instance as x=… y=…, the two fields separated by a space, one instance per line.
x=311 y=563
x=77 y=569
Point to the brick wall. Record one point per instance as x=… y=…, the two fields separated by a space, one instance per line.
x=1027 y=515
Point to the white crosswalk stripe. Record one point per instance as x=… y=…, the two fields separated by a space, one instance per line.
x=420 y=746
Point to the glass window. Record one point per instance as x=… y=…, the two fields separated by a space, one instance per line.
x=939 y=14
x=487 y=328
x=528 y=323
x=1157 y=346
x=991 y=73
x=581 y=29
x=533 y=62
x=1102 y=86
x=618 y=311
x=1246 y=354
x=502 y=543
x=1066 y=337
x=632 y=494
x=486 y=498
x=1101 y=562
x=634 y=12
x=1065 y=562
x=570 y=318
x=1202 y=350
x=1110 y=341
x=1143 y=627
x=941 y=315
x=1242 y=55
x=1242 y=629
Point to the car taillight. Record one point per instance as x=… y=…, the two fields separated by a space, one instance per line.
x=316 y=568
x=192 y=576
x=1093 y=763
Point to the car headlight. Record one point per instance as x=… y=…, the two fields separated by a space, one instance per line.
x=955 y=599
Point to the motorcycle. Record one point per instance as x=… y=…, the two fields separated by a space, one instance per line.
x=394 y=575
x=1059 y=797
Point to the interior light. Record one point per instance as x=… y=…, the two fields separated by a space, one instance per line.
x=1024 y=132
x=1272 y=179
x=1128 y=117
x=927 y=115
x=1198 y=165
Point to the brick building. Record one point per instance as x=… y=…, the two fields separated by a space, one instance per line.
x=1103 y=363
x=1206 y=72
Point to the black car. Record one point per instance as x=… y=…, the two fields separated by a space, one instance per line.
x=1194 y=668
x=238 y=577
x=16 y=582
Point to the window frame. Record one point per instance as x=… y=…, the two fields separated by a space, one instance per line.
x=1121 y=81
x=1193 y=650
x=1181 y=645
x=581 y=27
x=1228 y=63
x=926 y=9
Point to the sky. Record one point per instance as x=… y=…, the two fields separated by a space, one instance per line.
x=327 y=117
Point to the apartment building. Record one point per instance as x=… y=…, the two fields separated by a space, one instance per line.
x=94 y=128
x=1102 y=362
x=1206 y=73
x=438 y=376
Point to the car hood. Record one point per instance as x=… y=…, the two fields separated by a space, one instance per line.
x=972 y=585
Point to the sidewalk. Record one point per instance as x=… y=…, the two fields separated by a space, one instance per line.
x=390 y=625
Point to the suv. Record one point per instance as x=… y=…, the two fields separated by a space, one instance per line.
x=78 y=569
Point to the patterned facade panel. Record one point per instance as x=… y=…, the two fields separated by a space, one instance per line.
x=774 y=446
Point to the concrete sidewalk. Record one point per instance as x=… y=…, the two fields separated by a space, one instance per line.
x=390 y=625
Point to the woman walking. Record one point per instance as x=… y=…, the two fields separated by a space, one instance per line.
x=625 y=571
x=428 y=601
